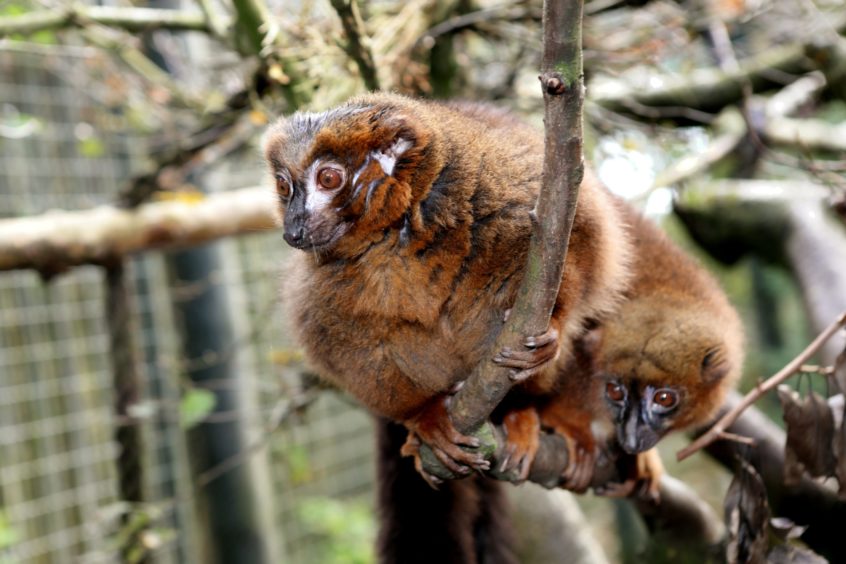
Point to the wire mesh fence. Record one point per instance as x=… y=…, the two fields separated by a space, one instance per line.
x=66 y=400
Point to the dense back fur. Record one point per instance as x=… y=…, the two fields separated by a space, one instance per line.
x=422 y=248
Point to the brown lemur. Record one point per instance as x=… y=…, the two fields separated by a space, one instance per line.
x=414 y=219
x=663 y=361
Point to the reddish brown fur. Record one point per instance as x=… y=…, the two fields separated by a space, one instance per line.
x=408 y=301
x=674 y=313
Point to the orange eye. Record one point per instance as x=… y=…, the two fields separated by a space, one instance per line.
x=329 y=178
x=665 y=398
x=615 y=391
x=283 y=187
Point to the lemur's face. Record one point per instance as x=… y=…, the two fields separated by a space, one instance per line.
x=340 y=170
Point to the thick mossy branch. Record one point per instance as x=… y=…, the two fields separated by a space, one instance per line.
x=57 y=240
x=356 y=46
x=78 y=15
x=258 y=33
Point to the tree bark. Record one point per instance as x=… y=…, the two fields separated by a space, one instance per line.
x=57 y=240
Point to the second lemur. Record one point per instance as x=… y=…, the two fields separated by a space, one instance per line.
x=663 y=361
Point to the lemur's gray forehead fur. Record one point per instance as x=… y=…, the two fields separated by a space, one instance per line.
x=289 y=139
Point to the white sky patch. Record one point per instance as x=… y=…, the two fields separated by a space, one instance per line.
x=626 y=171
x=388 y=159
x=659 y=203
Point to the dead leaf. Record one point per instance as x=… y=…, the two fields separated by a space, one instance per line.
x=785 y=529
x=791 y=554
x=747 y=516
x=810 y=436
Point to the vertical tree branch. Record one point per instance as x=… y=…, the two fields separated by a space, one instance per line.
x=563 y=168
x=257 y=33
x=360 y=53
x=126 y=380
x=218 y=25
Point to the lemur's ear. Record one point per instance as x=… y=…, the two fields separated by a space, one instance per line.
x=714 y=366
x=388 y=156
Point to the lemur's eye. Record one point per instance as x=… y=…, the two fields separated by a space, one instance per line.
x=667 y=399
x=615 y=392
x=283 y=187
x=329 y=178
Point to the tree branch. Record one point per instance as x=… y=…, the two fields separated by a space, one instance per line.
x=808 y=134
x=473 y=19
x=58 y=240
x=708 y=89
x=258 y=34
x=354 y=28
x=77 y=15
x=562 y=175
x=218 y=25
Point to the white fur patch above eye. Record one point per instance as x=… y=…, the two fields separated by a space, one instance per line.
x=388 y=159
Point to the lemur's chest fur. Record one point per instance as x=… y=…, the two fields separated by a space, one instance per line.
x=427 y=312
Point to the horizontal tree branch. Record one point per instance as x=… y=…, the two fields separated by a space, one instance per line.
x=707 y=89
x=473 y=19
x=806 y=133
x=57 y=240
x=551 y=528
x=77 y=15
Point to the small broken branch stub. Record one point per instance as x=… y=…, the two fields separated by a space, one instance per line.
x=552 y=83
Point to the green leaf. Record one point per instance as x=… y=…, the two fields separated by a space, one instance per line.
x=91 y=147
x=195 y=406
x=299 y=464
x=7 y=533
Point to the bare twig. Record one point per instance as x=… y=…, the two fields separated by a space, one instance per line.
x=792 y=367
x=357 y=46
x=807 y=503
x=473 y=19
